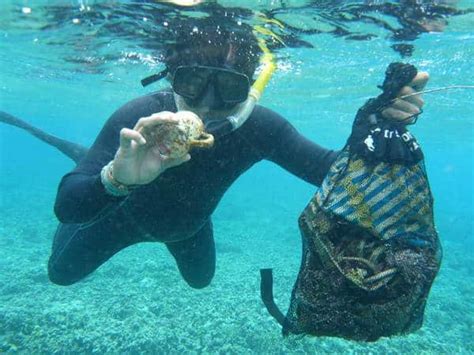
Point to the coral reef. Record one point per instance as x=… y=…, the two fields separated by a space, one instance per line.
x=137 y=303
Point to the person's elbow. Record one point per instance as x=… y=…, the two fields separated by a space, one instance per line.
x=65 y=212
x=70 y=208
x=71 y=205
x=76 y=209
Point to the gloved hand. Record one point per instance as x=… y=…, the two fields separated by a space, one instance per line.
x=400 y=80
x=379 y=132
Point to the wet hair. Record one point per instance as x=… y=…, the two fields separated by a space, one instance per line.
x=210 y=43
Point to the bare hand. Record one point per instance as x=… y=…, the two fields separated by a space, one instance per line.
x=139 y=160
x=406 y=109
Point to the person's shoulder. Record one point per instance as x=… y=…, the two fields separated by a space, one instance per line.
x=264 y=118
x=263 y=127
x=148 y=104
x=129 y=113
x=264 y=112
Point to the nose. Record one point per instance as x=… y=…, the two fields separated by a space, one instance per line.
x=210 y=98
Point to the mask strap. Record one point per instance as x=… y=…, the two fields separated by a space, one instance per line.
x=154 y=78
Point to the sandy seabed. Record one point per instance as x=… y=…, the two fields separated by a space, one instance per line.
x=137 y=302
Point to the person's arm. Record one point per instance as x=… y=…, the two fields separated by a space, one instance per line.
x=302 y=157
x=280 y=142
x=81 y=195
x=123 y=155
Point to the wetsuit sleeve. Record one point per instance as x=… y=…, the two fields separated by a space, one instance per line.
x=285 y=146
x=81 y=195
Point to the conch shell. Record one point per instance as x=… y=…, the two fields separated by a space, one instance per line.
x=176 y=139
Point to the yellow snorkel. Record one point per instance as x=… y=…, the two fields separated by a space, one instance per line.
x=269 y=66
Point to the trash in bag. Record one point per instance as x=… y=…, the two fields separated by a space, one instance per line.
x=370 y=247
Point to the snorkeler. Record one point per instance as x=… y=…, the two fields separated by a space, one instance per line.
x=125 y=191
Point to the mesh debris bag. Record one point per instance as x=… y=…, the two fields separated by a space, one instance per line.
x=370 y=248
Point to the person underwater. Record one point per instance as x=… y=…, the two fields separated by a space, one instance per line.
x=125 y=191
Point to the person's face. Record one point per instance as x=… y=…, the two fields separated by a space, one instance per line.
x=204 y=111
x=210 y=92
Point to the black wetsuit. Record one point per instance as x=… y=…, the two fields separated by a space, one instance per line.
x=176 y=208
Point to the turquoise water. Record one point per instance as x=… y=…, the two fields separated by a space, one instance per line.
x=137 y=301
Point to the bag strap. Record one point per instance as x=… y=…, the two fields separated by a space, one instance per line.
x=266 y=293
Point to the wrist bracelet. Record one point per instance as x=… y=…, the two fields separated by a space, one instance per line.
x=112 y=186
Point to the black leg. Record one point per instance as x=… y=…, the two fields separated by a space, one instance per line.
x=196 y=257
x=78 y=249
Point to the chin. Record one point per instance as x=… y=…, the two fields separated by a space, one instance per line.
x=205 y=113
x=218 y=114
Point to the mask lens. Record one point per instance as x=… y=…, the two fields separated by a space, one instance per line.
x=232 y=87
x=190 y=82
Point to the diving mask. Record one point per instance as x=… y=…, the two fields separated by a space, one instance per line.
x=192 y=82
